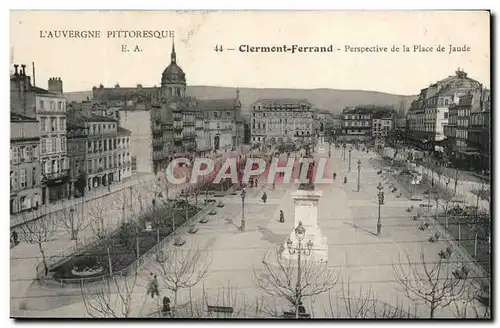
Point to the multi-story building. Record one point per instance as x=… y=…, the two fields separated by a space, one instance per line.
x=468 y=129
x=49 y=109
x=428 y=115
x=77 y=134
x=382 y=127
x=107 y=148
x=25 y=184
x=281 y=120
x=222 y=119
x=356 y=124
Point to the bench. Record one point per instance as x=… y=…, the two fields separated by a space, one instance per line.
x=292 y=315
x=219 y=309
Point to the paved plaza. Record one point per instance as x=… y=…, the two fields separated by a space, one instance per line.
x=346 y=217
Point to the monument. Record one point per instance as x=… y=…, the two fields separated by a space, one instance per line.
x=306 y=212
x=306 y=201
x=321 y=140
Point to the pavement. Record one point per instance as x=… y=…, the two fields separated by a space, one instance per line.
x=347 y=218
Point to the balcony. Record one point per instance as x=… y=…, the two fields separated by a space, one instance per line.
x=189 y=136
x=52 y=176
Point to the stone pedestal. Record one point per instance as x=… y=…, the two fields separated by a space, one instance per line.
x=321 y=143
x=306 y=211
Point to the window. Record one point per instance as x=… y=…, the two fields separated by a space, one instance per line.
x=54 y=144
x=59 y=105
x=89 y=165
x=62 y=124
x=33 y=177
x=52 y=105
x=63 y=144
x=22 y=178
x=30 y=152
x=53 y=124
x=43 y=122
x=23 y=153
x=42 y=104
x=16 y=155
x=445 y=115
x=114 y=143
x=13 y=180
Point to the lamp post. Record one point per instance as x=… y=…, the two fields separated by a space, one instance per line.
x=380 y=195
x=350 y=159
x=359 y=171
x=243 y=195
x=300 y=234
x=72 y=223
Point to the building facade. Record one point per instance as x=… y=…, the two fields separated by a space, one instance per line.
x=25 y=183
x=356 y=124
x=468 y=129
x=429 y=114
x=49 y=109
x=274 y=121
x=382 y=127
x=108 y=158
x=77 y=134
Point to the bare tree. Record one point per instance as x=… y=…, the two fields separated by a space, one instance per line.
x=39 y=232
x=72 y=222
x=362 y=305
x=283 y=278
x=110 y=299
x=433 y=283
x=97 y=212
x=180 y=269
x=468 y=307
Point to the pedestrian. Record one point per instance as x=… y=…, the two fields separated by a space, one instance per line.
x=345 y=179
x=251 y=182
x=264 y=197
x=166 y=306
x=14 y=237
x=334 y=175
x=256 y=182
x=154 y=287
x=282 y=217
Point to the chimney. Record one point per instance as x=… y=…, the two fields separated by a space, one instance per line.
x=33 y=65
x=23 y=72
x=15 y=70
x=55 y=85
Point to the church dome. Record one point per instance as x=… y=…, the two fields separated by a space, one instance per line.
x=173 y=73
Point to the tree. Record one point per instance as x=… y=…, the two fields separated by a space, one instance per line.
x=432 y=283
x=180 y=269
x=39 y=232
x=280 y=278
x=480 y=225
x=97 y=210
x=111 y=299
x=72 y=222
x=362 y=305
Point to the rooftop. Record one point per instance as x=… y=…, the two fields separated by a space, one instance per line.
x=21 y=118
x=223 y=103
x=123 y=130
x=283 y=101
x=41 y=91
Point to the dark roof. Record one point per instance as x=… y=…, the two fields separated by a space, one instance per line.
x=45 y=92
x=99 y=118
x=123 y=130
x=21 y=118
x=283 y=101
x=212 y=104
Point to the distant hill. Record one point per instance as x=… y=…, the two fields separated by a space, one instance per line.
x=327 y=99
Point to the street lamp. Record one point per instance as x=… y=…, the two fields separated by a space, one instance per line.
x=72 y=222
x=359 y=170
x=380 y=195
x=350 y=159
x=300 y=234
x=243 y=195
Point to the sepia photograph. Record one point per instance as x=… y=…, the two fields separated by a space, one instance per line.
x=293 y=165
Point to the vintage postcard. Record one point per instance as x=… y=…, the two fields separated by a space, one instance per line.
x=250 y=164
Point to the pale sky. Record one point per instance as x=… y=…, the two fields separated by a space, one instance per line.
x=83 y=63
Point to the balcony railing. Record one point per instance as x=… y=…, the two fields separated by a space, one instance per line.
x=55 y=175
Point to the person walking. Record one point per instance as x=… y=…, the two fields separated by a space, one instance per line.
x=256 y=182
x=334 y=175
x=264 y=197
x=166 y=306
x=345 y=179
x=14 y=237
x=282 y=217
